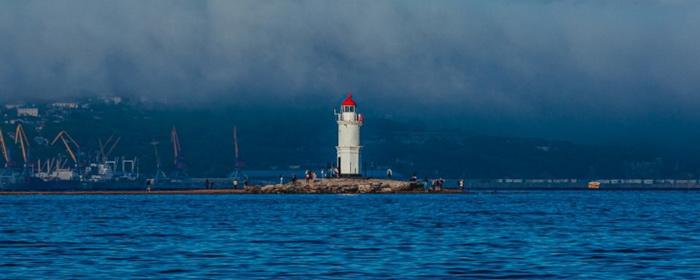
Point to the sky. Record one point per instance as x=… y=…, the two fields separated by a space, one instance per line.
x=602 y=71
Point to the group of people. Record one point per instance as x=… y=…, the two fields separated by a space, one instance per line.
x=436 y=184
x=439 y=184
x=293 y=179
x=309 y=176
x=209 y=185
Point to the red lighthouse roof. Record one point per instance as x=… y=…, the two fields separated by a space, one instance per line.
x=348 y=100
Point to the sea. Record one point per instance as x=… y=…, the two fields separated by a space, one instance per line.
x=515 y=234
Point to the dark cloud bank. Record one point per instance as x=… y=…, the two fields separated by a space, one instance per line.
x=589 y=70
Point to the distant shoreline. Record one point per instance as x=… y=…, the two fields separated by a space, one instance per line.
x=187 y=192
x=248 y=192
x=356 y=186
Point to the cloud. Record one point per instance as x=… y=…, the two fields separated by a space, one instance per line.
x=525 y=61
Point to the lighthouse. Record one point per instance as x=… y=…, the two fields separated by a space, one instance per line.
x=348 y=149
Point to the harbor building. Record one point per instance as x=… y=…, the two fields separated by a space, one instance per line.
x=348 y=149
x=28 y=112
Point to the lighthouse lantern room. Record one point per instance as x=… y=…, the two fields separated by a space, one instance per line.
x=348 y=149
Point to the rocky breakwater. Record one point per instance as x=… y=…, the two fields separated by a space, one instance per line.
x=341 y=186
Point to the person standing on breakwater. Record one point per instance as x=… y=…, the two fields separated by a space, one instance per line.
x=389 y=173
x=235 y=183
x=461 y=184
x=426 y=184
x=281 y=180
x=437 y=184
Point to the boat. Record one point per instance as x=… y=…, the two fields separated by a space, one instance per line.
x=10 y=178
x=103 y=176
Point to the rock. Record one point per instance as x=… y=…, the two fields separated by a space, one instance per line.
x=341 y=185
x=252 y=189
x=364 y=188
x=350 y=189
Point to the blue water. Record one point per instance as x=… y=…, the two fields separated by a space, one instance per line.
x=576 y=234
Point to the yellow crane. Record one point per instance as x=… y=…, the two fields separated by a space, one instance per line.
x=67 y=141
x=3 y=148
x=21 y=139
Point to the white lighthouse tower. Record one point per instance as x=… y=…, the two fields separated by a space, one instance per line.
x=349 y=123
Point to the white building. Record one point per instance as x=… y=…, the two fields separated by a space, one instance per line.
x=114 y=100
x=65 y=105
x=348 y=149
x=28 y=112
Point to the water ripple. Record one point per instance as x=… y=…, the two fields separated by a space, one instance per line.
x=538 y=235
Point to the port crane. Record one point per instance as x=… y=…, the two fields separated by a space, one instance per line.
x=21 y=139
x=3 y=149
x=177 y=149
x=159 y=172
x=235 y=146
x=68 y=142
x=178 y=159
x=155 y=144
x=108 y=146
x=236 y=154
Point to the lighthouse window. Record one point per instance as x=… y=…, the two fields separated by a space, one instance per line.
x=348 y=109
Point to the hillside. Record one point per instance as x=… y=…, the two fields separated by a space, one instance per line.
x=305 y=138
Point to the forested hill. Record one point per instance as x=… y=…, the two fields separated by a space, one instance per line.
x=306 y=137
